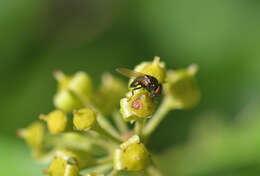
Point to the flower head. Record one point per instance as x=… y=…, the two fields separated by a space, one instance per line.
x=93 y=146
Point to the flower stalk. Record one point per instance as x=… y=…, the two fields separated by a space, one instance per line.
x=159 y=115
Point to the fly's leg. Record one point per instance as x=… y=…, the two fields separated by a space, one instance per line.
x=136 y=88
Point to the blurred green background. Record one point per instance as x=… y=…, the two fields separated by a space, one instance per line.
x=220 y=137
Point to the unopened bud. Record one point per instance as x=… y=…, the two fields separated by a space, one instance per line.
x=56 y=121
x=84 y=119
x=67 y=101
x=181 y=87
x=156 y=68
x=81 y=84
x=131 y=156
x=63 y=165
x=33 y=135
x=111 y=90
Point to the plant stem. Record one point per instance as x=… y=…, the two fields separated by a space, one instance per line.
x=153 y=171
x=105 y=133
x=107 y=126
x=120 y=123
x=113 y=173
x=159 y=115
x=102 y=168
x=139 y=124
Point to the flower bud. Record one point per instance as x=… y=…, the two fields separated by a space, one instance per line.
x=67 y=101
x=63 y=80
x=81 y=84
x=111 y=90
x=64 y=164
x=139 y=106
x=84 y=119
x=181 y=88
x=33 y=135
x=72 y=90
x=56 y=121
x=136 y=157
x=155 y=69
x=131 y=156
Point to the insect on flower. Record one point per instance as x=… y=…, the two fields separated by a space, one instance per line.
x=141 y=80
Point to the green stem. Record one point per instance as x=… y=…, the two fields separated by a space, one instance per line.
x=159 y=115
x=103 y=126
x=139 y=124
x=93 y=138
x=120 y=123
x=113 y=173
x=107 y=126
x=102 y=168
x=153 y=171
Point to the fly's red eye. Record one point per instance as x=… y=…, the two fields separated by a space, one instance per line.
x=158 y=90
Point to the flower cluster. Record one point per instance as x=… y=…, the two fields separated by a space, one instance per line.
x=88 y=132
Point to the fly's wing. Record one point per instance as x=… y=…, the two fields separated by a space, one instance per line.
x=129 y=73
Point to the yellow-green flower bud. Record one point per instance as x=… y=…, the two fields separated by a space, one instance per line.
x=181 y=88
x=81 y=84
x=132 y=155
x=56 y=121
x=155 y=69
x=139 y=106
x=63 y=165
x=33 y=135
x=63 y=80
x=84 y=119
x=109 y=94
x=67 y=101
x=135 y=157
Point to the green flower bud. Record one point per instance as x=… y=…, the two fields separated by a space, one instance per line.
x=63 y=80
x=136 y=157
x=81 y=84
x=33 y=135
x=56 y=121
x=72 y=90
x=111 y=90
x=67 y=101
x=132 y=155
x=84 y=119
x=139 y=106
x=64 y=164
x=181 y=87
x=155 y=69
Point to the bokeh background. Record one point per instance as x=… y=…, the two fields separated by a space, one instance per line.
x=220 y=137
